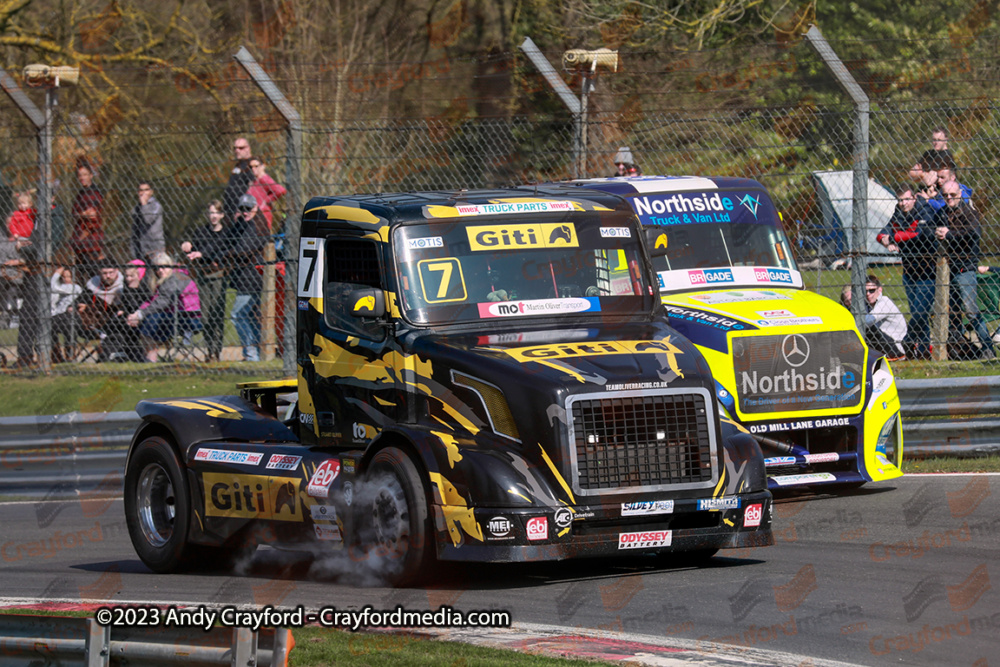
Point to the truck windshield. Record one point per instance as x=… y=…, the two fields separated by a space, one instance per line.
x=719 y=239
x=495 y=268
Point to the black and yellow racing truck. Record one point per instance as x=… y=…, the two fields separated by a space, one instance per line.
x=482 y=376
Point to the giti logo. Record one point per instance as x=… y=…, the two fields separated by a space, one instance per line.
x=544 y=353
x=365 y=303
x=506 y=237
x=252 y=496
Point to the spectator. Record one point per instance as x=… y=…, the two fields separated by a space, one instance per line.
x=265 y=190
x=946 y=175
x=65 y=310
x=959 y=231
x=207 y=253
x=30 y=313
x=885 y=326
x=910 y=233
x=927 y=192
x=11 y=279
x=625 y=164
x=244 y=244
x=239 y=179
x=175 y=299
x=87 y=238
x=107 y=284
x=147 y=224
x=21 y=221
x=934 y=158
x=123 y=342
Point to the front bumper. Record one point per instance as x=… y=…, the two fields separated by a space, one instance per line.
x=523 y=535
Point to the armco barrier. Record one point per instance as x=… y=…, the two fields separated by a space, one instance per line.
x=70 y=642
x=61 y=456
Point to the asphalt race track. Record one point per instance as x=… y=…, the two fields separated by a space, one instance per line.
x=893 y=573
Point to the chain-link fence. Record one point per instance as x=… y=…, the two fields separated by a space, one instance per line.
x=773 y=113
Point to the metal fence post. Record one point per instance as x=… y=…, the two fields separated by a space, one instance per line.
x=43 y=127
x=293 y=175
x=859 y=203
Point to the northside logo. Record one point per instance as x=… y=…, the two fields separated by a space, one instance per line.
x=710 y=276
x=772 y=276
x=520 y=237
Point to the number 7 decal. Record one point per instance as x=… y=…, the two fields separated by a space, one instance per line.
x=311 y=257
x=441 y=280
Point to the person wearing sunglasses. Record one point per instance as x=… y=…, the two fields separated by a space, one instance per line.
x=959 y=230
x=885 y=326
x=910 y=233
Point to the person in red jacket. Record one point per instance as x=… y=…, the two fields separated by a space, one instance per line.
x=87 y=240
x=21 y=222
x=265 y=190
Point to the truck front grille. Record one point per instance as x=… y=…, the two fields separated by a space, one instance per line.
x=642 y=441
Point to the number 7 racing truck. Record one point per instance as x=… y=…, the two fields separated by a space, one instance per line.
x=790 y=364
x=481 y=376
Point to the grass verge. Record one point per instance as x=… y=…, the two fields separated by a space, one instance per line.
x=319 y=647
x=948 y=464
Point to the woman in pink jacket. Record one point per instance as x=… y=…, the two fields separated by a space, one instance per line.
x=265 y=190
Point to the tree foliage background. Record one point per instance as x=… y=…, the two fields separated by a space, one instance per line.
x=420 y=93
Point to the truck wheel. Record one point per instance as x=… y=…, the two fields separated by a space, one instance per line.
x=158 y=506
x=394 y=518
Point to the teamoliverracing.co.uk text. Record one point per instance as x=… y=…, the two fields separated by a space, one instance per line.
x=205 y=617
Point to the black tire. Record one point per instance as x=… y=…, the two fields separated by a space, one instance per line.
x=158 y=506
x=394 y=520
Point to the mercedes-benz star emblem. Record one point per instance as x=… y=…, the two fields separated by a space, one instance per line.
x=795 y=349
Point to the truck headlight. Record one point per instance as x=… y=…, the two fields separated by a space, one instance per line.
x=497 y=411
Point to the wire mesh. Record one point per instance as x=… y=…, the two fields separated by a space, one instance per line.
x=770 y=112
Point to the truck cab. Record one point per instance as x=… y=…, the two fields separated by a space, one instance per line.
x=791 y=366
x=488 y=376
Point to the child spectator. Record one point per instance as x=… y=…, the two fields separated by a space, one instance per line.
x=21 y=222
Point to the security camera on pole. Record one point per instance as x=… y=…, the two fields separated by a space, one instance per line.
x=586 y=62
x=50 y=78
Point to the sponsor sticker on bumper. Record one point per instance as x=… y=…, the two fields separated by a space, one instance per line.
x=718 y=503
x=787 y=480
x=648 y=507
x=752 y=515
x=645 y=540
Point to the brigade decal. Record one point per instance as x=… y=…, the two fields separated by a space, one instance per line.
x=229 y=456
x=645 y=539
x=522 y=236
x=699 y=277
x=237 y=496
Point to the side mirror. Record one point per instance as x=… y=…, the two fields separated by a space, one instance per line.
x=368 y=302
x=656 y=240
